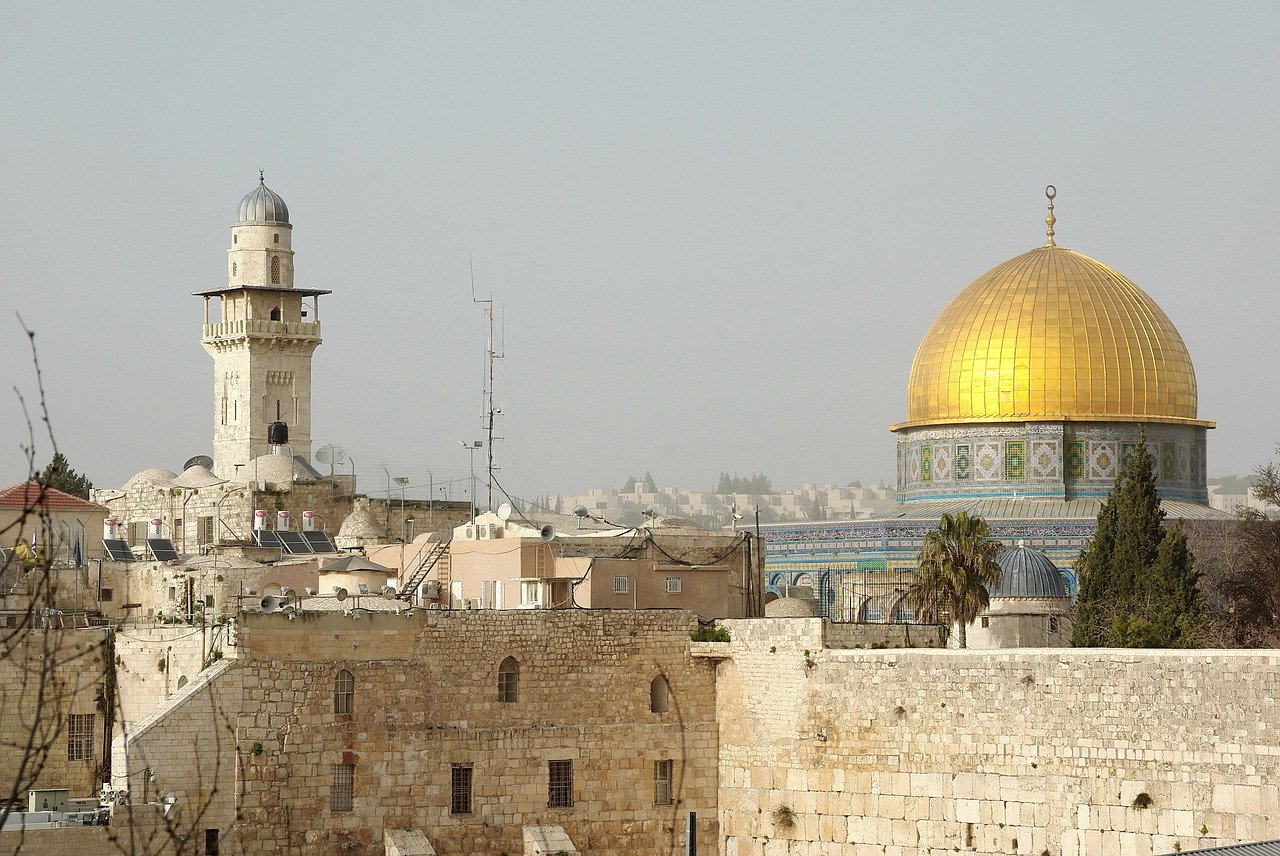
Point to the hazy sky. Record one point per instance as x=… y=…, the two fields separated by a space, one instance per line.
x=716 y=231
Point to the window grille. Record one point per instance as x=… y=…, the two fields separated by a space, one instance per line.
x=106 y=595
x=619 y=585
x=80 y=737
x=673 y=585
x=343 y=787
x=662 y=778
x=560 y=784
x=275 y=270
x=344 y=693
x=508 y=680
x=460 y=789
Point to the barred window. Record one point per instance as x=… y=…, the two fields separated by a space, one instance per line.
x=619 y=585
x=508 y=680
x=673 y=585
x=275 y=270
x=344 y=776
x=80 y=737
x=662 y=778
x=344 y=693
x=560 y=784
x=460 y=789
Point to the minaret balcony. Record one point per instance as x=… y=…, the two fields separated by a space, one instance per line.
x=260 y=328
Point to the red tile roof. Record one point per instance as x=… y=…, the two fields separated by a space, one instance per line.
x=29 y=495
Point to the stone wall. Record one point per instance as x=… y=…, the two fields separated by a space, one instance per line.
x=142 y=685
x=1030 y=751
x=44 y=680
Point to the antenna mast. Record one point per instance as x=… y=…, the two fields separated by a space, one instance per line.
x=488 y=410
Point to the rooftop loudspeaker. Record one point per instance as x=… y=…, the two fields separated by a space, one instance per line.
x=547 y=532
x=286 y=592
x=278 y=433
x=339 y=593
x=504 y=511
x=271 y=603
x=389 y=592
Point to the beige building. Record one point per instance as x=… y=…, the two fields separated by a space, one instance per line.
x=551 y=561
x=63 y=528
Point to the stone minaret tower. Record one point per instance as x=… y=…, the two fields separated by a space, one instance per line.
x=261 y=332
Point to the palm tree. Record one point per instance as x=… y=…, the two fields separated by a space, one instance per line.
x=957 y=566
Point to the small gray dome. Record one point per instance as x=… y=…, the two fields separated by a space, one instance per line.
x=1028 y=573
x=261 y=207
x=791 y=607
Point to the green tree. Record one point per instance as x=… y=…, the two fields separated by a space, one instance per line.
x=957 y=567
x=629 y=486
x=1138 y=584
x=59 y=476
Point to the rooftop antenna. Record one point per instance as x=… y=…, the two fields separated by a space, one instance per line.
x=488 y=411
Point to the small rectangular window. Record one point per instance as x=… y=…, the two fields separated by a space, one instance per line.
x=560 y=784
x=173 y=592
x=204 y=530
x=460 y=789
x=211 y=847
x=619 y=585
x=673 y=585
x=80 y=737
x=208 y=601
x=1053 y=624
x=986 y=622
x=340 y=797
x=106 y=595
x=662 y=782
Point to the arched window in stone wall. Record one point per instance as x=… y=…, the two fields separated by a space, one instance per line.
x=344 y=692
x=658 y=695
x=275 y=314
x=508 y=680
x=182 y=681
x=275 y=270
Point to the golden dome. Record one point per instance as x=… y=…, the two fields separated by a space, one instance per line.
x=1046 y=336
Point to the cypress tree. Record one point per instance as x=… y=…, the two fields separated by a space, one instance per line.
x=1138 y=586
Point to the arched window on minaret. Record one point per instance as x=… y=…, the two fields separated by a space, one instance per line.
x=277 y=410
x=275 y=270
x=233 y=268
x=275 y=314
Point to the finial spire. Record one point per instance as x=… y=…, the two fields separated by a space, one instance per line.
x=1050 y=192
x=263 y=181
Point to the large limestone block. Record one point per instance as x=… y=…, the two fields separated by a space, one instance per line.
x=541 y=840
x=406 y=842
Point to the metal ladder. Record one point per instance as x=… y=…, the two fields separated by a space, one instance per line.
x=425 y=565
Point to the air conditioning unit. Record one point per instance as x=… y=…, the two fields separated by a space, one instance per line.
x=485 y=531
x=470 y=533
x=431 y=590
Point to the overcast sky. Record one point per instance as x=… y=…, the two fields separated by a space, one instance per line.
x=716 y=232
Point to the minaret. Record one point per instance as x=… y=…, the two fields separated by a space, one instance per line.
x=261 y=332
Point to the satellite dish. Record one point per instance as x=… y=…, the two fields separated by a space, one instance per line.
x=504 y=511
x=389 y=592
x=199 y=461
x=581 y=511
x=651 y=512
x=547 y=532
x=330 y=453
x=339 y=593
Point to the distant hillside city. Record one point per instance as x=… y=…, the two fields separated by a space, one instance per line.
x=626 y=505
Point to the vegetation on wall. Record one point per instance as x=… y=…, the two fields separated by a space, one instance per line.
x=1138 y=584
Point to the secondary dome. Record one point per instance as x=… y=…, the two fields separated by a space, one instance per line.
x=1027 y=573
x=1051 y=335
x=262 y=207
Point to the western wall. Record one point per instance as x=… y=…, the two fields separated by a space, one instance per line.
x=1059 y=751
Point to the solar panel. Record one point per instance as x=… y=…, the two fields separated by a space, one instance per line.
x=319 y=542
x=118 y=549
x=292 y=542
x=266 y=538
x=162 y=549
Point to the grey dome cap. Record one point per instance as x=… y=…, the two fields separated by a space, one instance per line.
x=262 y=207
x=1028 y=573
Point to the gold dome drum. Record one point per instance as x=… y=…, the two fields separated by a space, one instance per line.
x=1051 y=335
